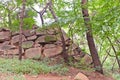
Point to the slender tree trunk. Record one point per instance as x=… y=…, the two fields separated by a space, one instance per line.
x=90 y=40
x=9 y=18
x=64 y=54
x=20 y=28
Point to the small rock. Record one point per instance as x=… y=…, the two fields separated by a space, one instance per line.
x=40 y=32
x=28 y=33
x=88 y=59
x=32 y=38
x=80 y=76
x=15 y=33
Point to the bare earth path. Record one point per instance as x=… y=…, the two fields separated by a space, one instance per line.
x=69 y=76
x=48 y=77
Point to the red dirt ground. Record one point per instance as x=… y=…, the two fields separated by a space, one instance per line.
x=69 y=76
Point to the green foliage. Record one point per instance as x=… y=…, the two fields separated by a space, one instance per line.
x=29 y=67
x=104 y=16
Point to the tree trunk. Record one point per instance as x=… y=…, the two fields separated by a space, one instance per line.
x=90 y=40
x=20 y=28
x=64 y=54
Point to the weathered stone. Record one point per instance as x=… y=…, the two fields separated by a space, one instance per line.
x=49 y=46
x=80 y=76
x=52 y=51
x=12 y=51
x=1 y=52
x=46 y=39
x=6 y=43
x=4 y=36
x=15 y=33
x=87 y=59
x=51 y=31
x=28 y=33
x=27 y=44
x=50 y=38
x=41 y=33
x=15 y=39
x=33 y=53
x=40 y=39
x=7 y=47
x=32 y=38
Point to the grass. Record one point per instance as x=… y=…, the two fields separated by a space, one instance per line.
x=30 y=67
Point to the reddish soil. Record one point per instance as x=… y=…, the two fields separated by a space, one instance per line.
x=69 y=76
x=48 y=77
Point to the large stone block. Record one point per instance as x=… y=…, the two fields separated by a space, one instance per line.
x=46 y=39
x=15 y=39
x=33 y=53
x=27 y=44
x=5 y=36
x=12 y=52
x=7 y=47
x=49 y=52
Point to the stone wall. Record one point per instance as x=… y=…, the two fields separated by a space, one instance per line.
x=36 y=43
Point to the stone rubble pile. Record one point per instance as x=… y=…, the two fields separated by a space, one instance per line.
x=36 y=43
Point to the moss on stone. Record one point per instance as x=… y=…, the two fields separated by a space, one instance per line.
x=27 y=45
x=50 y=38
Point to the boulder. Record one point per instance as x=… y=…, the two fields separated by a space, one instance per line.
x=80 y=76
x=4 y=48
x=46 y=39
x=5 y=36
x=49 y=52
x=27 y=44
x=33 y=53
x=31 y=38
x=15 y=39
